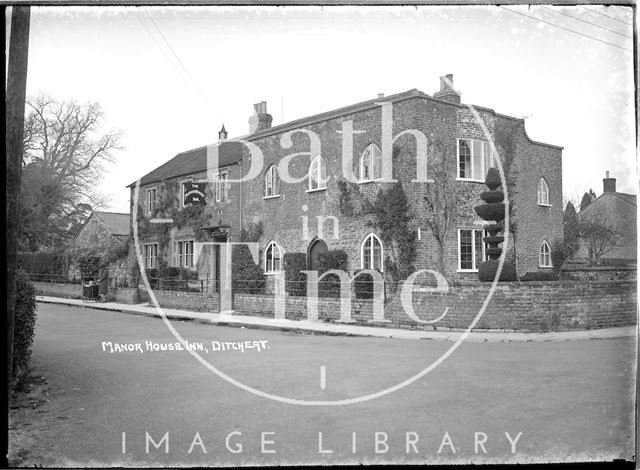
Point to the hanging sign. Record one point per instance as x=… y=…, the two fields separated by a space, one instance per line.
x=194 y=193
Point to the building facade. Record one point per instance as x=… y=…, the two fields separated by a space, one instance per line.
x=614 y=237
x=103 y=230
x=312 y=185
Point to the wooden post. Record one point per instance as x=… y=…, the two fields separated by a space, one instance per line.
x=15 y=101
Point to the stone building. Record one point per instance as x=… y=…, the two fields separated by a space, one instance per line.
x=103 y=230
x=312 y=185
x=616 y=215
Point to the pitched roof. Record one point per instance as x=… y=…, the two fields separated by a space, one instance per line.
x=116 y=222
x=192 y=161
x=630 y=198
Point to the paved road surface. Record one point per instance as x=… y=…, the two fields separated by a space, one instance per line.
x=570 y=400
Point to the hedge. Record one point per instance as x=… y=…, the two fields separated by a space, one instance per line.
x=246 y=276
x=24 y=325
x=296 y=280
x=43 y=262
x=540 y=276
x=330 y=285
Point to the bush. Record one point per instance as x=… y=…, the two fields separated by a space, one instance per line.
x=24 y=325
x=296 y=280
x=540 y=276
x=52 y=263
x=152 y=277
x=559 y=253
x=89 y=265
x=363 y=286
x=246 y=276
x=330 y=285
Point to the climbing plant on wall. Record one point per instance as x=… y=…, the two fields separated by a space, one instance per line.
x=392 y=217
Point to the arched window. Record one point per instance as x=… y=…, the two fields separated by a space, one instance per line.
x=543 y=192
x=318 y=174
x=372 y=253
x=545 y=255
x=271 y=182
x=272 y=258
x=371 y=164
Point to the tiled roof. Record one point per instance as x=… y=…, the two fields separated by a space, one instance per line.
x=631 y=198
x=116 y=222
x=192 y=161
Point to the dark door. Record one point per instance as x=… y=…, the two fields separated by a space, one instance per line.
x=316 y=248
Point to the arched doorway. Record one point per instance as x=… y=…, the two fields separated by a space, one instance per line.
x=316 y=248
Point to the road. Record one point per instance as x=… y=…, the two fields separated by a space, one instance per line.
x=569 y=400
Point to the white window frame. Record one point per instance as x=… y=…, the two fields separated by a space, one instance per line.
x=273 y=177
x=270 y=264
x=153 y=189
x=182 y=257
x=319 y=166
x=150 y=259
x=543 y=192
x=474 y=235
x=542 y=256
x=182 y=183
x=486 y=161
x=221 y=186
x=375 y=163
x=372 y=236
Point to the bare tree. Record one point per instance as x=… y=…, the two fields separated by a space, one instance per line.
x=443 y=200
x=64 y=157
x=599 y=232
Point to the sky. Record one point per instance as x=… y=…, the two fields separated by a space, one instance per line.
x=169 y=77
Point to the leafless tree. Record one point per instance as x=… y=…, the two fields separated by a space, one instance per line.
x=65 y=152
x=443 y=200
x=599 y=233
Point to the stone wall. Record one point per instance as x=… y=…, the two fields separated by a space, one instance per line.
x=600 y=273
x=531 y=306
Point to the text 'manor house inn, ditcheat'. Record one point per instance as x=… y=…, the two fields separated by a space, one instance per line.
x=309 y=216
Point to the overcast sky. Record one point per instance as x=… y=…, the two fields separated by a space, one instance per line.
x=169 y=77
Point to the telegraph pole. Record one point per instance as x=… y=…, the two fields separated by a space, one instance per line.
x=15 y=95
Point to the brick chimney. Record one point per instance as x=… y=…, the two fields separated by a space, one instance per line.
x=609 y=184
x=446 y=92
x=261 y=120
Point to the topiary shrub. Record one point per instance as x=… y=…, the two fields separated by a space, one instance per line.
x=540 y=276
x=296 y=280
x=330 y=285
x=24 y=326
x=246 y=276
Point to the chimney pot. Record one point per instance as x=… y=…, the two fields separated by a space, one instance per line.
x=447 y=92
x=222 y=135
x=380 y=95
x=261 y=119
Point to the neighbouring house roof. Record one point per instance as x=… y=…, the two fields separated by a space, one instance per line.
x=192 y=161
x=117 y=223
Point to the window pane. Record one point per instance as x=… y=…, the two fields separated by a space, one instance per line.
x=464 y=159
x=466 y=249
x=477 y=160
x=366 y=254
x=377 y=254
x=488 y=158
x=377 y=163
x=478 y=248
